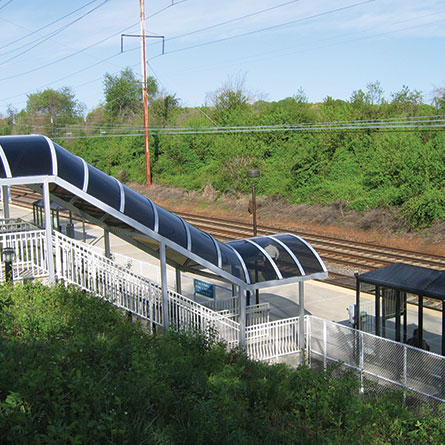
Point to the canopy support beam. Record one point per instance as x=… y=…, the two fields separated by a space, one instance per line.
x=48 y=230
x=164 y=290
x=5 y=199
x=301 y=339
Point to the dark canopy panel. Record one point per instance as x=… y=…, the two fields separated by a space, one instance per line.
x=82 y=188
x=103 y=187
x=413 y=279
x=70 y=167
x=28 y=156
x=139 y=208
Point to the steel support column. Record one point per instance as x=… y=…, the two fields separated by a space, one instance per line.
x=178 y=281
x=5 y=199
x=242 y=318
x=107 y=244
x=48 y=231
x=164 y=289
x=301 y=339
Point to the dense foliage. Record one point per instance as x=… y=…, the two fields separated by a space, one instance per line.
x=362 y=169
x=75 y=370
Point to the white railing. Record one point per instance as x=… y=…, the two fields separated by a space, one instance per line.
x=272 y=340
x=78 y=264
x=378 y=359
x=30 y=251
x=16 y=225
x=188 y=313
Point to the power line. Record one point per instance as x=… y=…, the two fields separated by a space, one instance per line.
x=46 y=26
x=85 y=49
x=54 y=33
x=6 y=4
x=416 y=123
x=268 y=28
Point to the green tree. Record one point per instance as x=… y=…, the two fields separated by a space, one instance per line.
x=123 y=94
x=53 y=108
x=439 y=98
x=406 y=101
x=163 y=107
x=230 y=101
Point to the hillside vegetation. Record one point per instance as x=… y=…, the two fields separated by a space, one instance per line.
x=75 y=370
x=378 y=166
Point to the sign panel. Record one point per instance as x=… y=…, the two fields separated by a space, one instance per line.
x=204 y=288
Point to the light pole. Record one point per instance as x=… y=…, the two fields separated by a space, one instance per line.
x=254 y=174
x=8 y=257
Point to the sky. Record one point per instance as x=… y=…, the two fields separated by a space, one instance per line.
x=275 y=47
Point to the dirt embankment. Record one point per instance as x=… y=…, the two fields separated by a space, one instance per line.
x=380 y=226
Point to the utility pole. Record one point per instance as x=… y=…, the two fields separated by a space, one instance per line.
x=145 y=97
x=144 y=84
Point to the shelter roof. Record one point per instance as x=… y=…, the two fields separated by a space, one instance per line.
x=78 y=186
x=408 y=278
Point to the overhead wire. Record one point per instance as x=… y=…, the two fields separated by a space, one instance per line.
x=6 y=4
x=46 y=26
x=415 y=123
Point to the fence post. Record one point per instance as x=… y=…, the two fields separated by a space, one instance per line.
x=150 y=307
x=405 y=371
x=362 y=360
x=325 y=344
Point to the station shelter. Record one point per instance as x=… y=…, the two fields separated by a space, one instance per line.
x=390 y=287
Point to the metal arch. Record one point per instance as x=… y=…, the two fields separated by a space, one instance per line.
x=243 y=264
x=293 y=256
x=86 y=175
x=187 y=231
x=155 y=214
x=122 y=200
x=55 y=164
x=312 y=250
x=218 y=250
x=143 y=229
x=5 y=163
x=269 y=258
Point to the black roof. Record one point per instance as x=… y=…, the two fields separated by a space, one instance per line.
x=413 y=279
x=78 y=186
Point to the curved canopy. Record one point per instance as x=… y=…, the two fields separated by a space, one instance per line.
x=253 y=263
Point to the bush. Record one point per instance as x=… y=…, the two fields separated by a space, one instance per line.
x=75 y=370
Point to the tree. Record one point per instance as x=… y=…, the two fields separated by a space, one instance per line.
x=123 y=94
x=53 y=108
x=406 y=101
x=230 y=100
x=164 y=106
x=439 y=98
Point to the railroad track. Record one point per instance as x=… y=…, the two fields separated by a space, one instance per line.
x=351 y=254
x=342 y=256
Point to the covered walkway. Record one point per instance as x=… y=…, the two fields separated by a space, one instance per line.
x=63 y=178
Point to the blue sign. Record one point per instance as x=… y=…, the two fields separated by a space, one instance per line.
x=204 y=288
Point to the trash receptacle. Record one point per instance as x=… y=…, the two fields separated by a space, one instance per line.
x=70 y=230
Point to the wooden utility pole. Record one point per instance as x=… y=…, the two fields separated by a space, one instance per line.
x=145 y=97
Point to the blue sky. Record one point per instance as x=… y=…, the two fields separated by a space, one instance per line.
x=328 y=48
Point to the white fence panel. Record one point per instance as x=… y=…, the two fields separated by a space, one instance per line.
x=381 y=360
x=30 y=251
x=272 y=340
